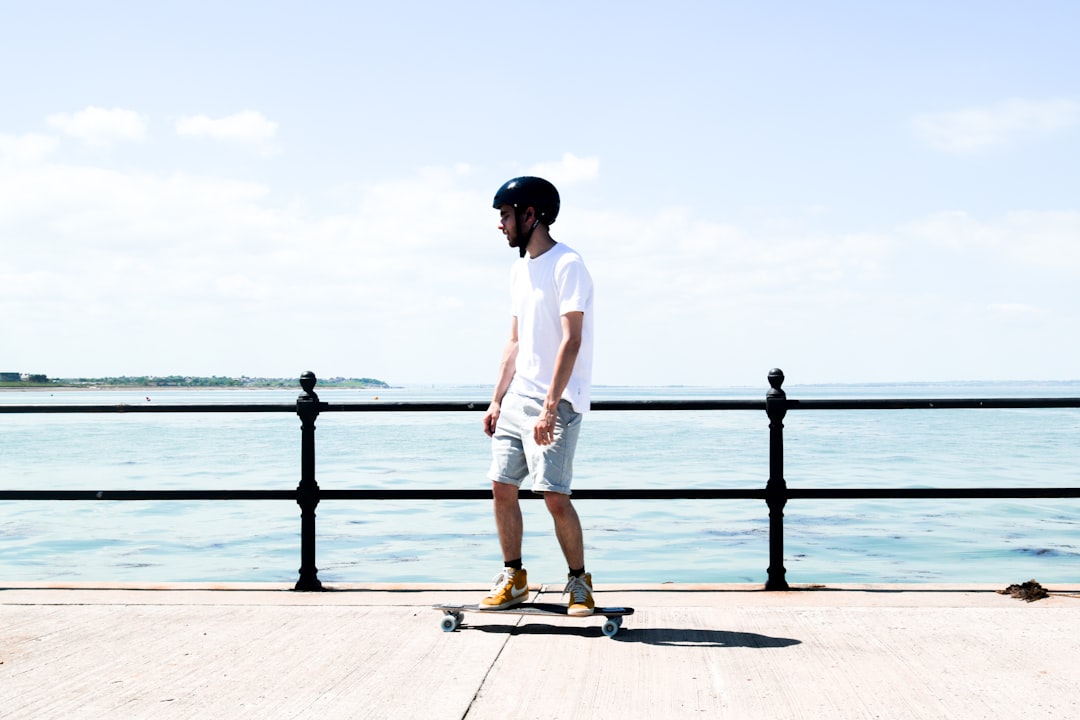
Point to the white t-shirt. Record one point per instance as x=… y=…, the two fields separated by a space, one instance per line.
x=542 y=290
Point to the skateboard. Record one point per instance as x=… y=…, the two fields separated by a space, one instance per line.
x=454 y=615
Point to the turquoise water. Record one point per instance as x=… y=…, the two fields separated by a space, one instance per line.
x=999 y=541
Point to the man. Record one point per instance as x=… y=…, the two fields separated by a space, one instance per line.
x=543 y=388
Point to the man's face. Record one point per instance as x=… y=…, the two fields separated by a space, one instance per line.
x=508 y=224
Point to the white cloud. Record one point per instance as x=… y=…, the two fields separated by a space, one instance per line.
x=247 y=127
x=957 y=230
x=31 y=148
x=1014 y=310
x=1048 y=239
x=218 y=263
x=100 y=127
x=972 y=130
x=569 y=170
x=213 y=276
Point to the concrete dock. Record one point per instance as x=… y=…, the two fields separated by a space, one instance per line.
x=377 y=651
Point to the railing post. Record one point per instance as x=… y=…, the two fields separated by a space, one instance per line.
x=776 y=489
x=307 y=407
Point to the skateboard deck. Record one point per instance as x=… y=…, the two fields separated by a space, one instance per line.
x=454 y=614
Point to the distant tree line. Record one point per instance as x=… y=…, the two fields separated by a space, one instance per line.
x=159 y=381
x=10 y=379
x=216 y=381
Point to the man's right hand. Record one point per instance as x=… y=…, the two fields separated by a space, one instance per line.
x=491 y=417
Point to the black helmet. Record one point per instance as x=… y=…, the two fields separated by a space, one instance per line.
x=523 y=192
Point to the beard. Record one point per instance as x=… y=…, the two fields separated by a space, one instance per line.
x=520 y=239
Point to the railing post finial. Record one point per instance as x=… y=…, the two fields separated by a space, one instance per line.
x=307 y=383
x=776 y=379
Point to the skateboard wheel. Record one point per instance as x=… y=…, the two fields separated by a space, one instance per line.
x=610 y=628
x=449 y=623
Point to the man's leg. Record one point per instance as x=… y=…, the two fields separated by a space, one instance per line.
x=508 y=519
x=568 y=531
x=567 y=528
x=512 y=584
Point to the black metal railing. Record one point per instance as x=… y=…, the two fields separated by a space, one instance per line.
x=776 y=493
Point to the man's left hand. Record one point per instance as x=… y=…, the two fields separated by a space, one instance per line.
x=544 y=431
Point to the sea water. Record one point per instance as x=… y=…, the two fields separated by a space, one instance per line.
x=826 y=541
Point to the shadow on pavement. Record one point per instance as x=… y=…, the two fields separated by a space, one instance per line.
x=680 y=637
x=670 y=637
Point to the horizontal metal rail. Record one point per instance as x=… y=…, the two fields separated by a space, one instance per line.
x=933 y=404
x=599 y=405
x=375 y=407
x=148 y=408
x=587 y=494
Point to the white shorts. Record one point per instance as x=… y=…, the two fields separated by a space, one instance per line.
x=516 y=455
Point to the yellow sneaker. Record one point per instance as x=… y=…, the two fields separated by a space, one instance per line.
x=581 y=599
x=511 y=587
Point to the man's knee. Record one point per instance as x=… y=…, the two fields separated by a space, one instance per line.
x=503 y=492
x=558 y=504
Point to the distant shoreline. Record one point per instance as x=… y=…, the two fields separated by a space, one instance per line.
x=357 y=384
x=197 y=384
x=185 y=388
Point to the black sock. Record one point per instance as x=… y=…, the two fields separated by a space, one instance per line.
x=577 y=573
x=515 y=564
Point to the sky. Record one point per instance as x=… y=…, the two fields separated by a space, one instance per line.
x=849 y=191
